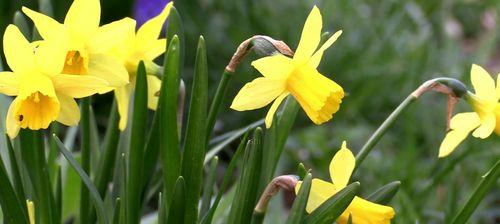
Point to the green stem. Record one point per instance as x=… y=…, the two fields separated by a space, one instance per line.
x=85 y=159
x=377 y=135
x=217 y=102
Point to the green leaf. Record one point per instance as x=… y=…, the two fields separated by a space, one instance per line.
x=489 y=181
x=58 y=194
x=53 y=152
x=151 y=156
x=33 y=154
x=298 y=211
x=136 y=151
x=220 y=93
x=194 y=145
x=177 y=209
x=385 y=194
x=13 y=207
x=227 y=178
x=332 y=208
x=85 y=207
x=14 y=169
x=94 y=194
x=116 y=212
x=246 y=191
x=167 y=108
x=174 y=29
x=230 y=137
x=302 y=171
x=21 y=23
x=209 y=186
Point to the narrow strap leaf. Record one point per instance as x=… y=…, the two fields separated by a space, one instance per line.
x=384 y=194
x=176 y=212
x=220 y=93
x=332 y=208
x=85 y=207
x=94 y=194
x=298 y=211
x=209 y=186
x=14 y=168
x=116 y=212
x=13 y=207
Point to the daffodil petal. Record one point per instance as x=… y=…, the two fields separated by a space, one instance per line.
x=122 y=96
x=154 y=85
x=497 y=114
x=258 y=93
x=46 y=26
x=320 y=192
x=108 y=68
x=56 y=50
x=83 y=18
x=311 y=35
x=366 y=212
x=70 y=112
x=487 y=126
x=78 y=86
x=275 y=66
x=9 y=83
x=18 y=51
x=341 y=166
x=498 y=85
x=152 y=28
x=483 y=83
x=155 y=49
x=274 y=107
x=11 y=125
x=316 y=58
x=29 y=84
x=461 y=125
x=111 y=35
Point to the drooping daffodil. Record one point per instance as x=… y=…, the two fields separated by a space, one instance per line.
x=43 y=93
x=360 y=210
x=486 y=116
x=85 y=42
x=145 y=46
x=319 y=96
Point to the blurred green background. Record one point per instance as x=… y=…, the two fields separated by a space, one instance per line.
x=388 y=48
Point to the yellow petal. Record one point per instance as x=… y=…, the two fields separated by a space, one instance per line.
x=319 y=96
x=34 y=82
x=108 y=68
x=154 y=50
x=311 y=35
x=366 y=212
x=498 y=85
x=122 y=96
x=316 y=58
x=78 y=86
x=152 y=28
x=54 y=49
x=83 y=18
x=487 y=126
x=154 y=85
x=274 y=66
x=31 y=211
x=320 y=192
x=18 y=51
x=341 y=166
x=70 y=112
x=37 y=111
x=461 y=125
x=111 y=35
x=46 y=26
x=9 y=83
x=11 y=124
x=274 y=107
x=258 y=93
x=483 y=83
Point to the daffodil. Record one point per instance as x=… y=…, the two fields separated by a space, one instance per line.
x=145 y=46
x=43 y=93
x=486 y=116
x=360 y=210
x=86 y=44
x=319 y=96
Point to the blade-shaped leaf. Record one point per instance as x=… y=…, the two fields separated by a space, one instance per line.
x=176 y=214
x=209 y=186
x=13 y=207
x=298 y=211
x=384 y=194
x=85 y=207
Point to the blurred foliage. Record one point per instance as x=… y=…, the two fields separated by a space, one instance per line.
x=387 y=49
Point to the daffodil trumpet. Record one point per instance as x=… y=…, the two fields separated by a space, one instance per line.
x=319 y=96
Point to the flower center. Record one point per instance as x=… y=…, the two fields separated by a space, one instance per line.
x=75 y=63
x=37 y=111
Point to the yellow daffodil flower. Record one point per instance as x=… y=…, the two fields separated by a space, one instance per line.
x=141 y=46
x=319 y=96
x=43 y=93
x=486 y=116
x=85 y=43
x=360 y=210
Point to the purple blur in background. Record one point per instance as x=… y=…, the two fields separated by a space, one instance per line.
x=147 y=9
